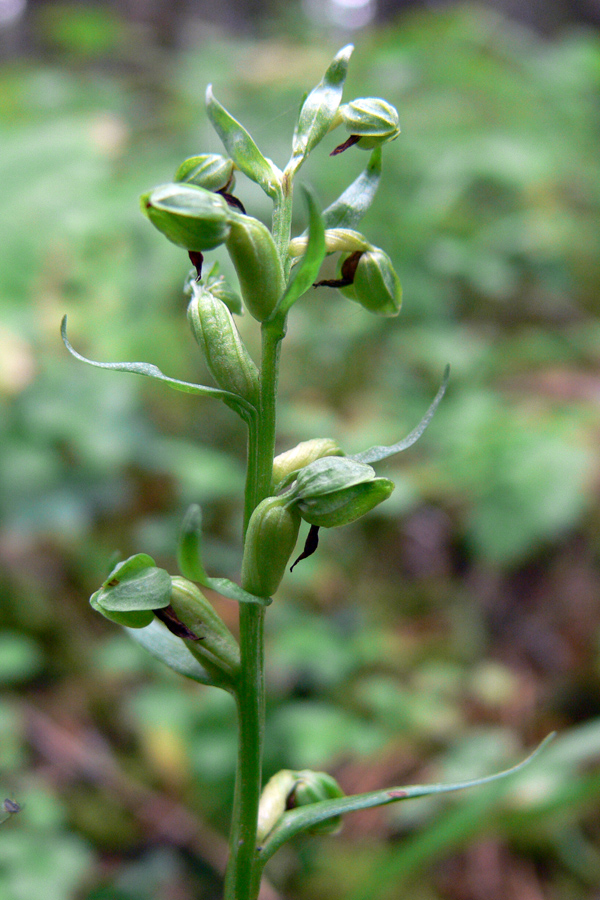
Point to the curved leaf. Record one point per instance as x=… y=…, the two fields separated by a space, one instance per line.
x=242 y=148
x=233 y=591
x=350 y=207
x=306 y=271
x=295 y=821
x=375 y=454
x=152 y=371
x=318 y=110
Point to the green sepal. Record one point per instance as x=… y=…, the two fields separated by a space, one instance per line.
x=371 y=117
x=242 y=148
x=133 y=585
x=376 y=285
x=305 y=272
x=295 y=821
x=152 y=371
x=210 y=171
x=133 y=619
x=172 y=651
x=350 y=207
x=318 y=111
x=327 y=475
x=189 y=216
x=313 y=787
x=375 y=454
x=345 y=506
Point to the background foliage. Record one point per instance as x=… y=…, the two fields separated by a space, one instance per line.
x=460 y=622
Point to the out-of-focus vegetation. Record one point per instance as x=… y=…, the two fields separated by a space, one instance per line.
x=461 y=622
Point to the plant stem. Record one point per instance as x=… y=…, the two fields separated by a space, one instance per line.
x=241 y=882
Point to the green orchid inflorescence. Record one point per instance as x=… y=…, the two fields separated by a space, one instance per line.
x=316 y=482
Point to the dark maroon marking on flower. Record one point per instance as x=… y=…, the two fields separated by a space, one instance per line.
x=353 y=139
x=397 y=795
x=312 y=542
x=11 y=806
x=112 y=583
x=196 y=258
x=168 y=617
x=233 y=201
x=348 y=271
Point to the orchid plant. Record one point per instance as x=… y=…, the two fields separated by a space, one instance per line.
x=315 y=482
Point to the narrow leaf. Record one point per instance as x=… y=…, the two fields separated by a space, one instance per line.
x=295 y=821
x=152 y=371
x=319 y=109
x=242 y=148
x=375 y=454
x=189 y=560
x=163 y=645
x=189 y=550
x=350 y=207
x=305 y=272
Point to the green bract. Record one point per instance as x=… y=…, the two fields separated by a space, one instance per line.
x=225 y=353
x=187 y=215
x=270 y=540
x=375 y=284
x=210 y=171
x=257 y=264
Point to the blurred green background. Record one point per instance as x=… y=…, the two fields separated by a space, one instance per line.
x=435 y=640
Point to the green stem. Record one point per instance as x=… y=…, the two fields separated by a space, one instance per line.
x=243 y=881
x=243 y=877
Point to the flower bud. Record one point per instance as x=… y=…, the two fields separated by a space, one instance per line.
x=312 y=787
x=375 y=284
x=370 y=121
x=210 y=171
x=211 y=639
x=226 y=356
x=273 y=802
x=304 y=453
x=187 y=215
x=346 y=505
x=336 y=239
x=257 y=264
x=270 y=540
